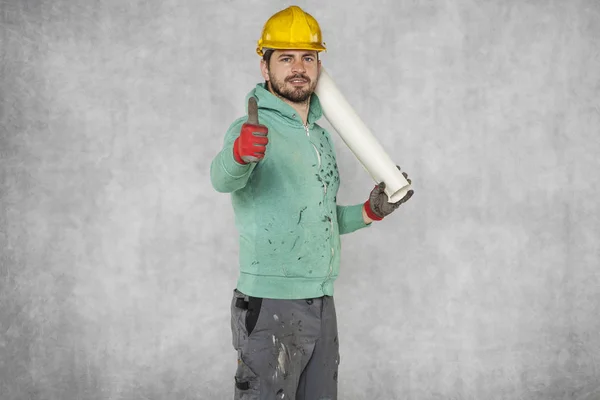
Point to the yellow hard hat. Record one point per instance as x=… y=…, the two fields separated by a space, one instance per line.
x=291 y=28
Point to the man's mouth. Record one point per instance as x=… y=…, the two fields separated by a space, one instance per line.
x=298 y=80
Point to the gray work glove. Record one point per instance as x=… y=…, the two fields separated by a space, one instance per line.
x=378 y=207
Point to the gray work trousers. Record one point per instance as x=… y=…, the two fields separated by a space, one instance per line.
x=287 y=349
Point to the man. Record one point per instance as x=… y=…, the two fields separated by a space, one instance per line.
x=280 y=168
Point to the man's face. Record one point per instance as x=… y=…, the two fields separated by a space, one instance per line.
x=293 y=74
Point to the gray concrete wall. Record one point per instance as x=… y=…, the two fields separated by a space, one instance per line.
x=117 y=258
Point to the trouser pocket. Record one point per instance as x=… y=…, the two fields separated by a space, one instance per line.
x=245 y=311
x=247 y=383
x=252 y=314
x=237 y=315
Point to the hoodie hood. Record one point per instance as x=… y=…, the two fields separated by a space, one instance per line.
x=267 y=101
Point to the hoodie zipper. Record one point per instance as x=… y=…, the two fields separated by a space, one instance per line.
x=318 y=155
x=325 y=193
x=315 y=147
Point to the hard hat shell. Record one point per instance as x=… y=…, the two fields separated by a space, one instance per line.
x=291 y=28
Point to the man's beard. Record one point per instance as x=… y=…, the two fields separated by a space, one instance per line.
x=294 y=94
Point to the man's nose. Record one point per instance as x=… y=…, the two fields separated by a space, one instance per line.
x=298 y=66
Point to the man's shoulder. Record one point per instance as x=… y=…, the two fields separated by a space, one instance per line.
x=323 y=129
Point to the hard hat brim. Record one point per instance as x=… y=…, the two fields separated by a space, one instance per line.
x=288 y=46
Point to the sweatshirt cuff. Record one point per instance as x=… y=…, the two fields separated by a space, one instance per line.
x=231 y=166
x=353 y=219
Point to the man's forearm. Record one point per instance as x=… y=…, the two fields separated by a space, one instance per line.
x=365 y=217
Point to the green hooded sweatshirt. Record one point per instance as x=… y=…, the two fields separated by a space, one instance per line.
x=285 y=206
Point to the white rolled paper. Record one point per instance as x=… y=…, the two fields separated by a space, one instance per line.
x=359 y=139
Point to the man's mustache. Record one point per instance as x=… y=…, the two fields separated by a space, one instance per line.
x=298 y=77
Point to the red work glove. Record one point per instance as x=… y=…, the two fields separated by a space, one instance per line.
x=377 y=206
x=250 y=146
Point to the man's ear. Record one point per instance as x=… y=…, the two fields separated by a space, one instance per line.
x=264 y=70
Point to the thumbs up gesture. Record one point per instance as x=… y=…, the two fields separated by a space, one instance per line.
x=250 y=146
